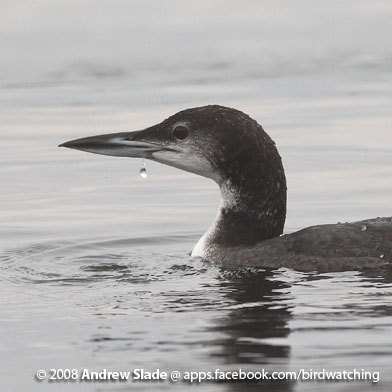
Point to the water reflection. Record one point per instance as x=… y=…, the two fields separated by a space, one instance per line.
x=144 y=304
x=254 y=328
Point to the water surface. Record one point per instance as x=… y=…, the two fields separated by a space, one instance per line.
x=95 y=266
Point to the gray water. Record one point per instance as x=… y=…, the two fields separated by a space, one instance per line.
x=95 y=266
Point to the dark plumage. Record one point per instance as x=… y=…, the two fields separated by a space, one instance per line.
x=363 y=245
x=229 y=147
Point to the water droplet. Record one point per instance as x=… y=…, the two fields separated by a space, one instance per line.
x=381 y=255
x=143 y=170
x=363 y=228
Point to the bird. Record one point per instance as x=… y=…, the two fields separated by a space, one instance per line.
x=232 y=149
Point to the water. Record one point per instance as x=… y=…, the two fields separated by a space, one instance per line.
x=95 y=266
x=143 y=170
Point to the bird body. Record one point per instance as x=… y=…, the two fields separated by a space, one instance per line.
x=359 y=246
x=232 y=149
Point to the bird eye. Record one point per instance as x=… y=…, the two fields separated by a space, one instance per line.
x=181 y=132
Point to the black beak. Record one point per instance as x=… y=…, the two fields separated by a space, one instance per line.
x=124 y=144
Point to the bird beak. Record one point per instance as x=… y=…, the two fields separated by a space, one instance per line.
x=124 y=144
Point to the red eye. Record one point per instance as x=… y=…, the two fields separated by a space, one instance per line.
x=181 y=132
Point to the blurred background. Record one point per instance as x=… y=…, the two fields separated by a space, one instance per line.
x=318 y=78
x=95 y=269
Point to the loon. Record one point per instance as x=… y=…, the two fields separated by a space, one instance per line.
x=232 y=149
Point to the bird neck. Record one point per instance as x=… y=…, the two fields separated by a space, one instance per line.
x=250 y=214
x=253 y=190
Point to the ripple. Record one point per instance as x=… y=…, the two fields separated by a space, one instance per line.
x=67 y=262
x=146 y=296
